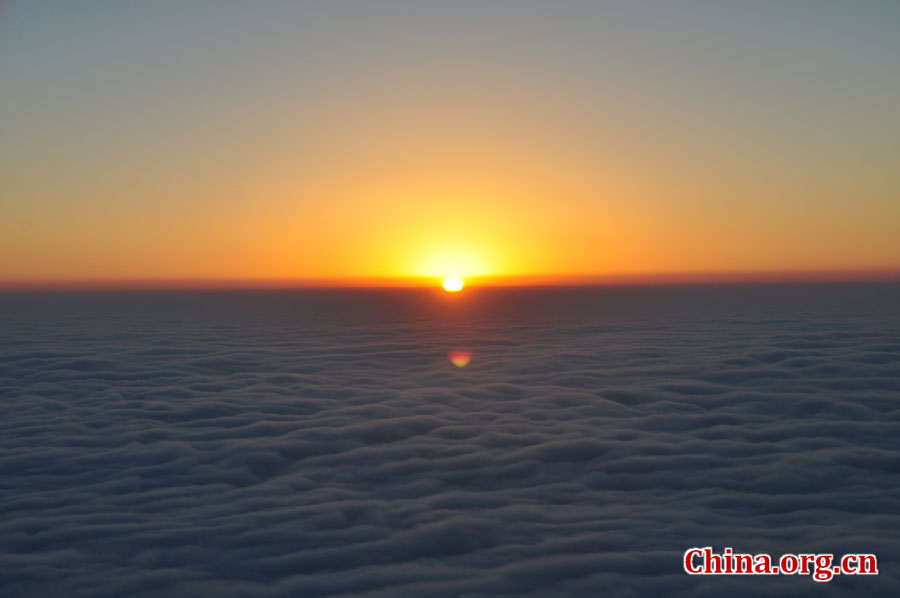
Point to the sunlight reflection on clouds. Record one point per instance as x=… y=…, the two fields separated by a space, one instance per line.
x=460 y=358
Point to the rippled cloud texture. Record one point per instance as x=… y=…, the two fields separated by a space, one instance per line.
x=323 y=444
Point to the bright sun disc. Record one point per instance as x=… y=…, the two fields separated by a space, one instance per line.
x=453 y=284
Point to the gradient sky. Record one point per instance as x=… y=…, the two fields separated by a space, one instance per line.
x=330 y=140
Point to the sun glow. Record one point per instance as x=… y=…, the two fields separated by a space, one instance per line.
x=453 y=284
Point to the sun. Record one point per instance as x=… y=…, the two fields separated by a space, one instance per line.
x=453 y=284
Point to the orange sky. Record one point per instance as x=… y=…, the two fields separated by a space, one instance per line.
x=397 y=147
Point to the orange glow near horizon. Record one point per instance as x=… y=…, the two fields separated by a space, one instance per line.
x=677 y=278
x=373 y=233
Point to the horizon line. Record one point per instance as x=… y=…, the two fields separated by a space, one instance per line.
x=536 y=280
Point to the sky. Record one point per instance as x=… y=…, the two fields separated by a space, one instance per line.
x=343 y=141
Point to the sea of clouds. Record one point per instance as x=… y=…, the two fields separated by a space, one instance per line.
x=321 y=443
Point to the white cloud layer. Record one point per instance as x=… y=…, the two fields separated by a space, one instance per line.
x=322 y=444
